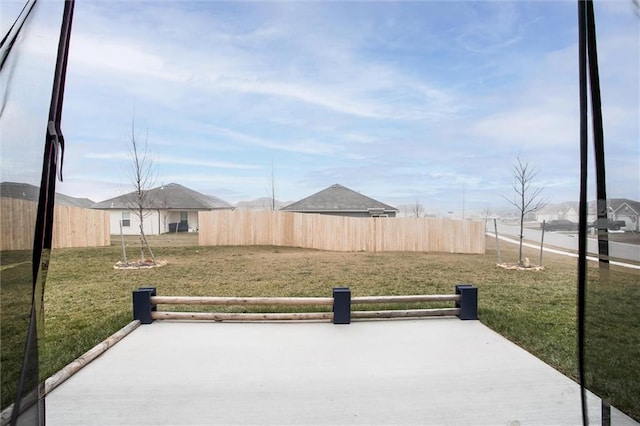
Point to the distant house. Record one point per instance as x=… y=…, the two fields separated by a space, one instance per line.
x=618 y=209
x=568 y=211
x=627 y=210
x=341 y=201
x=169 y=208
x=260 y=204
x=25 y=191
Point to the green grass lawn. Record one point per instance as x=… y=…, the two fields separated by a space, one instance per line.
x=87 y=299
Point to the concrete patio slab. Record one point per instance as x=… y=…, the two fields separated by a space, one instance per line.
x=422 y=372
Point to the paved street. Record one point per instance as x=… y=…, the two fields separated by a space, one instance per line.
x=569 y=241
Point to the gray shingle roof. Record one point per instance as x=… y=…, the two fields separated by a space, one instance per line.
x=25 y=191
x=616 y=203
x=337 y=198
x=558 y=208
x=171 y=196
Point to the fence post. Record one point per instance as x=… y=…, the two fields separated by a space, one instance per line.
x=468 y=303
x=142 y=306
x=341 y=305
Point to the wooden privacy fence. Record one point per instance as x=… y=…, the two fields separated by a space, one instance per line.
x=146 y=301
x=340 y=233
x=17 y=223
x=72 y=227
x=76 y=227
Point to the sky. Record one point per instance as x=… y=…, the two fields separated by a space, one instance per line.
x=406 y=102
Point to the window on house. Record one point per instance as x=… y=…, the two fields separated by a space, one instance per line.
x=126 y=219
x=183 y=217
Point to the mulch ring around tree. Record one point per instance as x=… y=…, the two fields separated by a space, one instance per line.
x=520 y=267
x=147 y=264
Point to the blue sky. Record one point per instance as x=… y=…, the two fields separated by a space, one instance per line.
x=402 y=101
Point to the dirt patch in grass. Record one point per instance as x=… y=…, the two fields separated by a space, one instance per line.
x=147 y=264
x=518 y=267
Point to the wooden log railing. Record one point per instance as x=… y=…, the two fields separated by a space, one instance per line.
x=406 y=313
x=146 y=301
x=242 y=301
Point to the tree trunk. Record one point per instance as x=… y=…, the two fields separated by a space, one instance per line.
x=144 y=243
x=124 y=250
x=521 y=237
x=141 y=245
x=523 y=212
x=153 y=258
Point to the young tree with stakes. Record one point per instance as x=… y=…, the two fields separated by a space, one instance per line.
x=527 y=199
x=140 y=172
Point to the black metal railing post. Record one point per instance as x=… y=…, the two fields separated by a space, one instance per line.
x=468 y=303
x=142 y=306
x=341 y=305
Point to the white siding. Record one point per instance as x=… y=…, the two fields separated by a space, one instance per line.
x=151 y=224
x=630 y=216
x=155 y=222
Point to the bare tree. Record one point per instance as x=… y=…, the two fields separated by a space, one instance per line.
x=141 y=174
x=416 y=210
x=526 y=199
x=272 y=203
x=485 y=213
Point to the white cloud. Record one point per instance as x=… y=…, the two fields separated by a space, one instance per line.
x=123 y=156
x=344 y=82
x=537 y=127
x=409 y=99
x=202 y=163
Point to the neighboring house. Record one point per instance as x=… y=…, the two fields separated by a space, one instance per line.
x=341 y=201
x=627 y=210
x=567 y=211
x=169 y=208
x=25 y=191
x=618 y=209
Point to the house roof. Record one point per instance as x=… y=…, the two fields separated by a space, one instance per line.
x=172 y=196
x=263 y=203
x=617 y=203
x=561 y=208
x=25 y=191
x=614 y=204
x=337 y=198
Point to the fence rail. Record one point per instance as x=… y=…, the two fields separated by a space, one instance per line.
x=197 y=300
x=228 y=316
x=73 y=226
x=146 y=301
x=340 y=233
x=405 y=313
x=407 y=299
